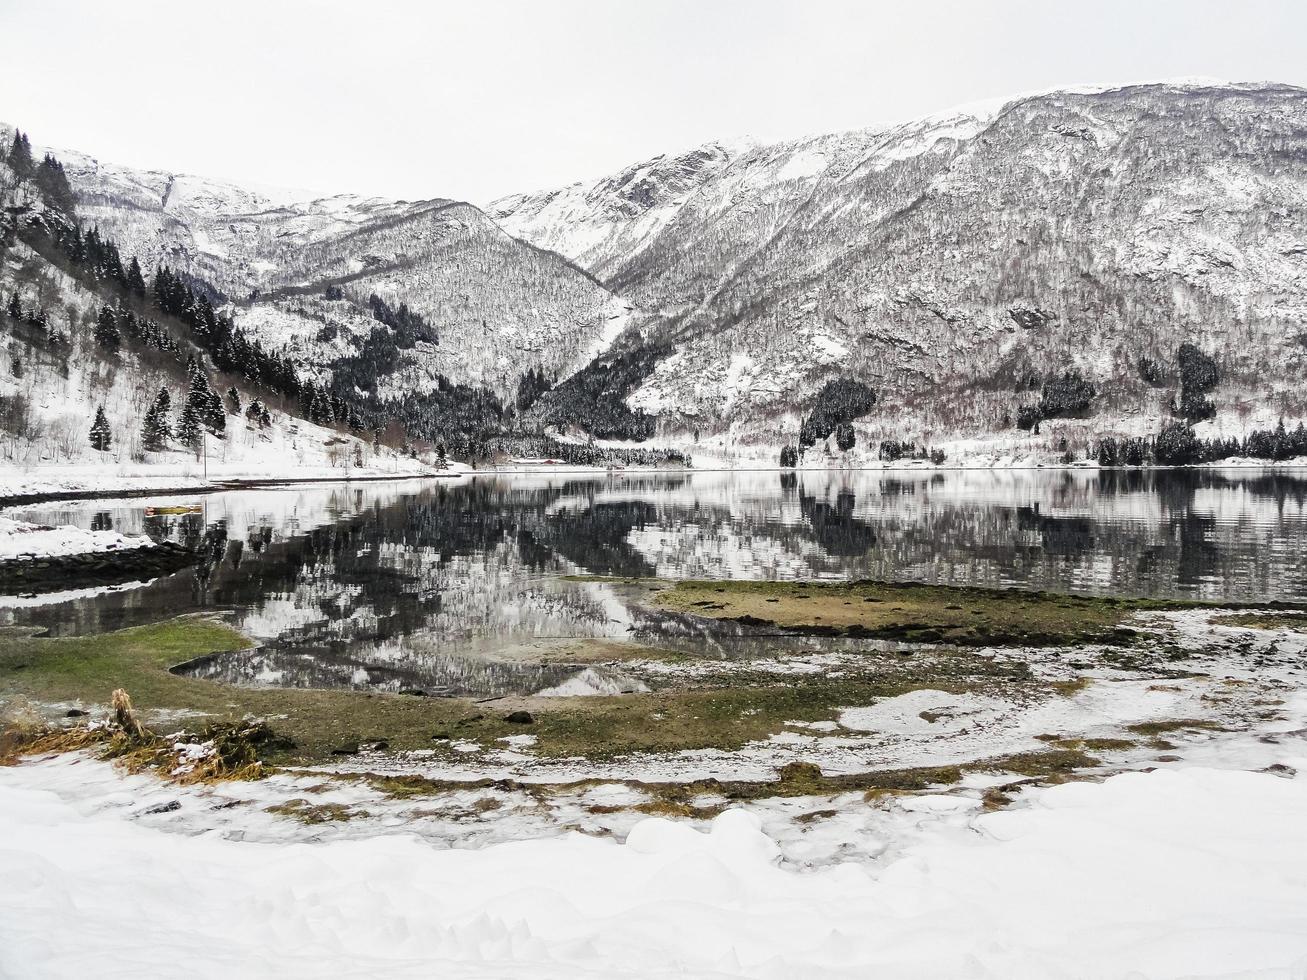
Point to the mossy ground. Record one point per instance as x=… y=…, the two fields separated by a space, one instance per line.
x=724 y=709
x=913 y=612
x=719 y=706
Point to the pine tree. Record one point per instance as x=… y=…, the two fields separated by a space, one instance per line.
x=54 y=186
x=101 y=440
x=252 y=411
x=233 y=401
x=156 y=430
x=188 y=425
x=106 y=331
x=845 y=437
x=15 y=307
x=135 y=281
x=441 y=459
x=215 y=418
x=20 y=156
x=265 y=420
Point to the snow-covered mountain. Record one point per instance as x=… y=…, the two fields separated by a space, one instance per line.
x=498 y=305
x=945 y=259
x=951 y=263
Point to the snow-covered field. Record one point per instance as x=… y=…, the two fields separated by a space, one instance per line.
x=1186 y=872
x=1188 y=865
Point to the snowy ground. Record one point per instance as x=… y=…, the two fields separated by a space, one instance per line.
x=129 y=477
x=19 y=539
x=1187 y=865
x=1187 y=871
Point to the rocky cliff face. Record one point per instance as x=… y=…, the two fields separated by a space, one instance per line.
x=948 y=260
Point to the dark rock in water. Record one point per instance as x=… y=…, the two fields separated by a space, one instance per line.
x=351 y=749
x=53 y=573
x=380 y=746
x=169 y=807
x=74 y=713
x=520 y=718
x=440 y=737
x=413 y=692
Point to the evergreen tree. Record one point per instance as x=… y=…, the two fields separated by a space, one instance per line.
x=845 y=437
x=101 y=440
x=16 y=366
x=215 y=418
x=188 y=426
x=789 y=457
x=15 y=307
x=106 y=331
x=442 y=460
x=135 y=281
x=233 y=401
x=54 y=186
x=156 y=430
x=253 y=411
x=20 y=156
x=265 y=420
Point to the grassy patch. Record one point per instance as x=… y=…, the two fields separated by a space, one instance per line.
x=1154 y=728
x=723 y=712
x=314 y=813
x=912 y=612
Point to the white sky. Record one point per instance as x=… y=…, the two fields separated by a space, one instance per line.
x=480 y=98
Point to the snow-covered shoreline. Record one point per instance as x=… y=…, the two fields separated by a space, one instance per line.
x=20 y=540
x=55 y=482
x=69 y=482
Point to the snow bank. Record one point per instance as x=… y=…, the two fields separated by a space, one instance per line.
x=19 y=539
x=1183 y=872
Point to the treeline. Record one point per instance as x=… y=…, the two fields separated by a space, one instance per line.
x=892 y=451
x=1066 y=396
x=578 y=454
x=594 y=398
x=98 y=261
x=48 y=175
x=36 y=320
x=836 y=405
x=1178 y=445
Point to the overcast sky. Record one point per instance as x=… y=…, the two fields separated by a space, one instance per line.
x=480 y=98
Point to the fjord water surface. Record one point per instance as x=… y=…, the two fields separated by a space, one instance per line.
x=447 y=586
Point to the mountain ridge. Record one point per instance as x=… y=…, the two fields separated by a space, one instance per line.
x=950 y=262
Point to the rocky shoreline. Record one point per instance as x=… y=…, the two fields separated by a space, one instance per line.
x=51 y=573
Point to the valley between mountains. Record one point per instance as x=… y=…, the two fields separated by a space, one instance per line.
x=1101 y=276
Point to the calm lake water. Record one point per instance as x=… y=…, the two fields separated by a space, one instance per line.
x=449 y=586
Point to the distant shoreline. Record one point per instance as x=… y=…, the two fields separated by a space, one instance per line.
x=55 y=495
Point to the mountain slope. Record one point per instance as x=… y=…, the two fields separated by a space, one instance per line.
x=949 y=261
x=499 y=306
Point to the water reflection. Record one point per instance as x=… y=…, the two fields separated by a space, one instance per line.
x=424 y=585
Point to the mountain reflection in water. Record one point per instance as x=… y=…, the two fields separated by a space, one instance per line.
x=448 y=586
